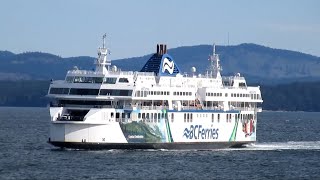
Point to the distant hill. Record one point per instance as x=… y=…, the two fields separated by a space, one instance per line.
x=257 y=63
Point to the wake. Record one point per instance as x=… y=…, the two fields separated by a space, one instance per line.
x=291 y=145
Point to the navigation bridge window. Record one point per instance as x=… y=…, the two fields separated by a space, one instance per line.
x=109 y=80
x=84 y=102
x=98 y=80
x=84 y=91
x=80 y=79
x=123 y=80
x=59 y=91
x=242 y=84
x=115 y=92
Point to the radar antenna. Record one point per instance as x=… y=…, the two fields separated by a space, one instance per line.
x=214 y=67
x=102 y=60
x=104 y=40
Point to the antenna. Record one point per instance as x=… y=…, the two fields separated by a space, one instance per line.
x=104 y=40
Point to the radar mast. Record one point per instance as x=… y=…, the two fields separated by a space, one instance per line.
x=102 y=60
x=214 y=68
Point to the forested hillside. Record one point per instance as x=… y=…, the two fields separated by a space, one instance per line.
x=23 y=93
x=257 y=63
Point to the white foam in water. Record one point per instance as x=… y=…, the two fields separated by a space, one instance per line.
x=291 y=145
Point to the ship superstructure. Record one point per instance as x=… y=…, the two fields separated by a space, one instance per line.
x=157 y=107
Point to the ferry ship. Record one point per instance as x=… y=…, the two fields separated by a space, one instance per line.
x=158 y=107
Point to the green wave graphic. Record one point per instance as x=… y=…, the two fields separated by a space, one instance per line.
x=234 y=132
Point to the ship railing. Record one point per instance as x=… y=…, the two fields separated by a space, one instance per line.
x=58 y=82
x=145 y=73
x=231 y=87
x=226 y=78
x=201 y=108
x=218 y=108
x=170 y=86
x=87 y=72
x=83 y=72
x=243 y=108
x=151 y=107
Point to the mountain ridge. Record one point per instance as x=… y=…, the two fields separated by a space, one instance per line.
x=256 y=62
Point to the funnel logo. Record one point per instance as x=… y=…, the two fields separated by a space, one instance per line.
x=167 y=65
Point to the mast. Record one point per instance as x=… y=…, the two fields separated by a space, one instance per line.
x=102 y=60
x=214 y=68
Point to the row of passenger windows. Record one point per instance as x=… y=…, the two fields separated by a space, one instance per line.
x=74 y=91
x=239 y=95
x=152 y=93
x=151 y=115
x=255 y=96
x=215 y=94
x=146 y=93
x=188 y=117
x=104 y=80
x=182 y=93
x=121 y=116
x=159 y=93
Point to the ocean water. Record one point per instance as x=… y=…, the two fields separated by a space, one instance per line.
x=288 y=147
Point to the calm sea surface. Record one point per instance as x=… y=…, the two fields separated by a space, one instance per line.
x=288 y=147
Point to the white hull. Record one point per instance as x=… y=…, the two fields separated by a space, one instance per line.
x=99 y=128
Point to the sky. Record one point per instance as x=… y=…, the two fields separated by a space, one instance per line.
x=134 y=27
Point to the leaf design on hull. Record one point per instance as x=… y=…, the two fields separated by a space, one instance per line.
x=141 y=129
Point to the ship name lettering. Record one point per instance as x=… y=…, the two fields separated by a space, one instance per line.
x=198 y=132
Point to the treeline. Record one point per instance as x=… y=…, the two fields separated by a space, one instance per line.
x=23 y=93
x=300 y=96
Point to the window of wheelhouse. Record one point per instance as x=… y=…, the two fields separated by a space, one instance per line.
x=123 y=80
x=74 y=91
x=59 y=91
x=109 y=80
x=69 y=79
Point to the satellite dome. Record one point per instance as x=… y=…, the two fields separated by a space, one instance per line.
x=114 y=68
x=193 y=70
